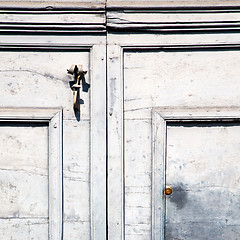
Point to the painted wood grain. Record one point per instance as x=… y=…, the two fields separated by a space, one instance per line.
x=29 y=71
x=24 y=180
x=54 y=22
x=76 y=182
x=202 y=167
x=98 y=136
x=24 y=229
x=117 y=4
x=202 y=78
x=173 y=21
x=137 y=179
x=115 y=141
x=28 y=76
x=56 y=17
x=139 y=85
x=41 y=64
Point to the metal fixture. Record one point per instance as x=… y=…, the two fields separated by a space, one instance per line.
x=78 y=73
x=168 y=190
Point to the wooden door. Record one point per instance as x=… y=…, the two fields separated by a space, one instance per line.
x=173 y=118
x=52 y=162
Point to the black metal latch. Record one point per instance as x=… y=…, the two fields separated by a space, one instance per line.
x=78 y=81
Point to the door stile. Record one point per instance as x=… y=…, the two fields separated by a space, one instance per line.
x=116 y=217
x=98 y=142
x=159 y=133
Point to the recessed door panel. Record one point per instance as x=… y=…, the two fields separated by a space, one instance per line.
x=24 y=181
x=202 y=168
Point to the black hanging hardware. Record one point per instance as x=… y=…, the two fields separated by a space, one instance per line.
x=78 y=73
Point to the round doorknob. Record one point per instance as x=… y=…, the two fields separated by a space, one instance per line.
x=168 y=190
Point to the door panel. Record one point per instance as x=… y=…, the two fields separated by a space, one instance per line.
x=179 y=78
x=167 y=78
x=24 y=181
x=202 y=169
x=34 y=76
x=175 y=76
x=138 y=179
x=27 y=76
x=40 y=79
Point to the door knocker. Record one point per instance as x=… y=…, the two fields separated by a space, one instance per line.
x=78 y=80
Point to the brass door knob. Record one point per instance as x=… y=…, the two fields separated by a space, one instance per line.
x=168 y=190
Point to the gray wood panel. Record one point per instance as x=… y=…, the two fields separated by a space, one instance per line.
x=202 y=167
x=76 y=179
x=39 y=79
x=24 y=181
x=159 y=4
x=25 y=21
x=173 y=20
x=137 y=179
x=28 y=76
x=155 y=79
x=180 y=78
x=36 y=229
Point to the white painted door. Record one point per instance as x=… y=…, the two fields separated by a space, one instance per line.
x=52 y=160
x=173 y=118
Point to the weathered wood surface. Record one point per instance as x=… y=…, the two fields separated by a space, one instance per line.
x=76 y=179
x=198 y=80
x=137 y=179
x=58 y=22
x=117 y=4
x=25 y=76
x=173 y=21
x=28 y=80
x=52 y=5
x=156 y=71
x=24 y=228
x=145 y=71
x=115 y=141
x=35 y=76
x=201 y=78
x=202 y=168
x=158 y=4
x=24 y=180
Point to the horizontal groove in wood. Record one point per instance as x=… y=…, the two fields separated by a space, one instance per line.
x=119 y=5
x=152 y=5
x=173 y=21
x=39 y=21
x=27 y=23
x=52 y=5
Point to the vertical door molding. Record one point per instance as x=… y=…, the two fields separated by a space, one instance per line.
x=98 y=142
x=115 y=144
x=54 y=119
x=55 y=177
x=161 y=116
x=158 y=174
